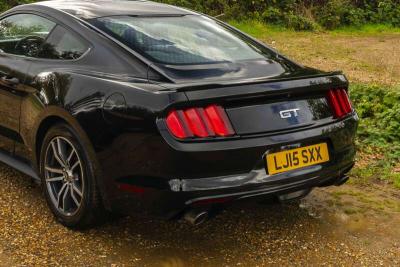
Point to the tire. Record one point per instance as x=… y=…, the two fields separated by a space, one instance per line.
x=69 y=180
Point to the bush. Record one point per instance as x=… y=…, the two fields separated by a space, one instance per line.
x=7 y=4
x=379 y=109
x=295 y=14
x=300 y=23
x=273 y=15
x=388 y=11
x=378 y=132
x=302 y=14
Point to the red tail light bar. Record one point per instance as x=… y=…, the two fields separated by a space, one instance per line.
x=210 y=121
x=340 y=102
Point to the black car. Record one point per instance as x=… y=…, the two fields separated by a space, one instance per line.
x=137 y=107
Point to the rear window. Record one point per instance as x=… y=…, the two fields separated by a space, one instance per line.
x=178 y=40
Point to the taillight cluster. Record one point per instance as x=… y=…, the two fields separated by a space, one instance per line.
x=340 y=102
x=210 y=121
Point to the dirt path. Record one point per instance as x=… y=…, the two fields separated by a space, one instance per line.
x=338 y=226
x=367 y=59
x=350 y=225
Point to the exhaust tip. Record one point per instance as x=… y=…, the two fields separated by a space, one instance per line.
x=196 y=217
x=342 y=180
x=294 y=195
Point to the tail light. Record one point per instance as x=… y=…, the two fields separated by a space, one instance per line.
x=210 y=121
x=340 y=102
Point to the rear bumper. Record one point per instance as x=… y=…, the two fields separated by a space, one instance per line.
x=168 y=204
x=170 y=178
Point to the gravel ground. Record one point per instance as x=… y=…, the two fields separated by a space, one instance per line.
x=336 y=226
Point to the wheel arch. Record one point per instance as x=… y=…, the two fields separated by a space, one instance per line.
x=44 y=127
x=53 y=116
x=50 y=117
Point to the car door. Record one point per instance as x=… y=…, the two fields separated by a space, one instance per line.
x=21 y=36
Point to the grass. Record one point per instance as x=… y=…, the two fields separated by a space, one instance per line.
x=370 y=57
x=376 y=171
x=366 y=201
x=259 y=29
x=368 y=29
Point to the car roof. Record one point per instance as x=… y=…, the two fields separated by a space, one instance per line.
x=89 y=9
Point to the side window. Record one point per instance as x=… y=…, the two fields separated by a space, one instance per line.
x=24 y=34
x=63 y=44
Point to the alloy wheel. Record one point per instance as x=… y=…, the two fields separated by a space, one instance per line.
x=64 y=176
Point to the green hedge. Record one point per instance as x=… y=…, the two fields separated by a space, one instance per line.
x=378 y=132
x=302 y=14
x=378 y=108
x=295 y=14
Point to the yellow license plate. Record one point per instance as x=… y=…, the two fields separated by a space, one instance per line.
x=297 y=158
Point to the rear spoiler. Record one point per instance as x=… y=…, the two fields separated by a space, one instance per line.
x=260 y=86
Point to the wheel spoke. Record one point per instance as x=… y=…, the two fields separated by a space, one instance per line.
x=60 y=193
x=53 y=170
x=62 y=150
x=55 y=179
x=70 y=156
x=56 y=155
x=65 y=197
x=76 y=189
x=73 y=196
x=75 y=165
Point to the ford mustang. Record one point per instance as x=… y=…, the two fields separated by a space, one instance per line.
x=137 y=107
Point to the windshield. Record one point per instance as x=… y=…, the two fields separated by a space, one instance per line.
x=181 y=40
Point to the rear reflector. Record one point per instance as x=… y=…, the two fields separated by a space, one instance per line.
x=211 y=121
x=340 y=102
x=132 y=189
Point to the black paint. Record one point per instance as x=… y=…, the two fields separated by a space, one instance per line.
x=117 y=101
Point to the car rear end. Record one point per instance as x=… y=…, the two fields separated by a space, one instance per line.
x=241 y=120
x=273 y=139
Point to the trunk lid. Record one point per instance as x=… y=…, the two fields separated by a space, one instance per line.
x=268 y=107
x=278 y=116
